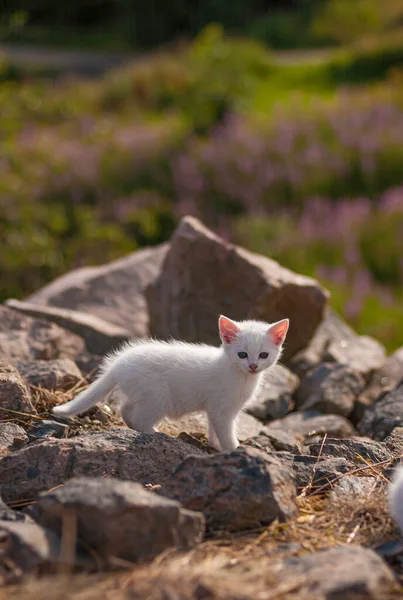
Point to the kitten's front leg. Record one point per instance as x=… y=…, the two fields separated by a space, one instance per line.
x=212 y=437
x=225 y=428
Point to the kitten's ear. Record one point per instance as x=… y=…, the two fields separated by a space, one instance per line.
x=228 y=329
x=278 y=331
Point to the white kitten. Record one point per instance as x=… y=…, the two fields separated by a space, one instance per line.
x=171 y=379
x=395 y=497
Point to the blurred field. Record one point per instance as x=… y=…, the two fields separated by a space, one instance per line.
x=299 y=159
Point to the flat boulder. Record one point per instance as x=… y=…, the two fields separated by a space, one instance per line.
x=113 y=292
x=203 y=276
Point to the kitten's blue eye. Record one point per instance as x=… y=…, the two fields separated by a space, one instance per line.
x=243 y=354
x=263 y=355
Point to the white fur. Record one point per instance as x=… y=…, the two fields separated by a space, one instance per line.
x=395 y=497
x=170 y=379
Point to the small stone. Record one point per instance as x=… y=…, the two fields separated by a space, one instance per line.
x=12 y=437
x=275 y=398
x=8 y=514
x=46 y=429
x=380 y=419
x=311 y=424
x=315 y=473
x=342 y=573
x=59 y=374
x=24 y=338
x=356 y=450
x=329 y=388
x=394 y=441
x=25 y=548
x=364 y=355
x=351 y=488
x=120 y=519
x=15 y=398
x=245 y=488
x=386 y=378
x=284 y=440
x=246 y=426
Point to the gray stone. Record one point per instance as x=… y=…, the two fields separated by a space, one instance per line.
x=12 y=437
x=247 y=426
x=394 y=441
x=15 y=398
x=329 y=388
x=284 y=440
x=245 y=488
x=311 y=424
x=24 y=338
x=121 y=453
x=275 y=399
x=355 y=450
x=120 y=519
x=197 y=283
x=350 y=488
x=343 y=573
x=25 y=548
x=316 y=473
x=46 y=428
x=8 y=514
x=59 y=374
x=331 y=329
x=99 y=335
x=363 y=355
x=113 y=292
x=386 y=378
x=380 y=419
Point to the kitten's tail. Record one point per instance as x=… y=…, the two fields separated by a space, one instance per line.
x=395 y=497
x=88 y=398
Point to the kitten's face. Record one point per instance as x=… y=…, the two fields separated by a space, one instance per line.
x=252 y=346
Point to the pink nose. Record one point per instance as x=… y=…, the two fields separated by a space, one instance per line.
x=253 y=366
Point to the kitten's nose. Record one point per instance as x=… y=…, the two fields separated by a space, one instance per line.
x=253 y=366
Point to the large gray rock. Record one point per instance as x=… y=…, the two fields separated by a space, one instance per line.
x=380 y=419
x=242 y=489
x=24 y=338
x=275 y=398
x=201 y=278
x=120 y=519
x=330 y=388
x=15 y=397
x=100 y=336
x=113 y=292
x=343 y=573
x=121 y=453
x=12 y=436
x=60 y=374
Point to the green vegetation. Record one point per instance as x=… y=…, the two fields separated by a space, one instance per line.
x=298 y=159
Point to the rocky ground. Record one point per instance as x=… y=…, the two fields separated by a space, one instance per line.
x=91 y=509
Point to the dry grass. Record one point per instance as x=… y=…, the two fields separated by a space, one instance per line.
x=240 y=567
